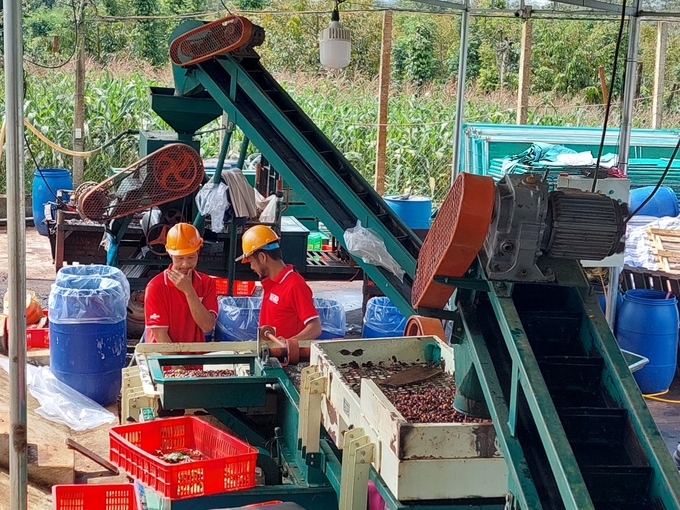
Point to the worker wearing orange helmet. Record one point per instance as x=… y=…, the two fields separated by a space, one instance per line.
x=287 y=302
x=180 y=304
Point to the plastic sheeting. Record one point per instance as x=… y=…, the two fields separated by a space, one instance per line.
x=383 y=319
x=89 y=294
x=238 y=318
x=364 y=243
x=60 y=403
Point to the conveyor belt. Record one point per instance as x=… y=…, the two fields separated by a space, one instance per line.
x=556 y=382
x=327 y=182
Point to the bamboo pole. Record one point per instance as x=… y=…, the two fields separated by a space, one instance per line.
x=383 y=100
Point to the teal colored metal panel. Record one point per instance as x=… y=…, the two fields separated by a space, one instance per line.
x=224 y=94
x=315 y=160
x=665 y=484
x=567 y=474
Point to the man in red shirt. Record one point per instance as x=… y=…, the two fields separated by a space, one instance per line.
x=180 y=304
x=287 y=302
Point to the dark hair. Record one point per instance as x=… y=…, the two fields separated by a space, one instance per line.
x=274 y=254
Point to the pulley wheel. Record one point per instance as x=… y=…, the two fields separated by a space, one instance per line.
x=293 y=349
x=417 y=325
x=156 y=236
x=456 y=236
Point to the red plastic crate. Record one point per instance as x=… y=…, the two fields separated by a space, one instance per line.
x=36 y=338
x=230 y=464
x=241 y=287
x=95 y=497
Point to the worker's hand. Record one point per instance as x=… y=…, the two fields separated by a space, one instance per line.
x=181 y=281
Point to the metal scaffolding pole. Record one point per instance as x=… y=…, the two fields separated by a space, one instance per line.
x=16 y=252
x=624 y=141
x=460 y=90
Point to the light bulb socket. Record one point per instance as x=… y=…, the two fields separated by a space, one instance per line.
x=335 y=15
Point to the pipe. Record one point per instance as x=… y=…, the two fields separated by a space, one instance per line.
x=624 y=143
x=628 y=100
x=16 y=254
x=460 y=91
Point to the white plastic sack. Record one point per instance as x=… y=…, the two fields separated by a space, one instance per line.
x=366 y=244
x=268 y=207
x=61 y=403
x=212 y=200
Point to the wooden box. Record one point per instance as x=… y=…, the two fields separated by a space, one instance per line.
x=408 y=456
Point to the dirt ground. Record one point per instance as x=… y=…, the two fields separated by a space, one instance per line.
x=40 y=273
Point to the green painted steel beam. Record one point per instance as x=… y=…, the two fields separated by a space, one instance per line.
x=311 y=498
x=621 y=385
x=566 y=471
x=312 y=157
x=518 y=468
x=397 y=291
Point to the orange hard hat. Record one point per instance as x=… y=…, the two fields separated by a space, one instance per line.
x=259 y=237
x=183 y=239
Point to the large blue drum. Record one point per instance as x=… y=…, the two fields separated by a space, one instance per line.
x=88 y=333
x=46 y=182
x=647 y=324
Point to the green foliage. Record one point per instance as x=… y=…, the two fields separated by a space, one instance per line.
x=251 y=5
x=150 y=35
x=593 y=95
x=414 y=59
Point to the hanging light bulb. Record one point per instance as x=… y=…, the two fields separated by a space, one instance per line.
x=335 y=43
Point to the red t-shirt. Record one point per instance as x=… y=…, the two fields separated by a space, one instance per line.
x=287 y=303
x=166 y=306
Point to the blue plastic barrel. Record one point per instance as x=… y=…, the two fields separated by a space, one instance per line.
x=663 y=203
x=238 y=318
x=647 y=324
x=382 y=319
x=46 y=182
x=88 y=333
x=333 y=319
x=414 y=211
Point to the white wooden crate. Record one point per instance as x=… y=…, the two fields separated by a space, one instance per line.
x=408 y=456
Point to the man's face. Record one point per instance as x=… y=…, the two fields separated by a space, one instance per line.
x=185 y=263
x=257 y=264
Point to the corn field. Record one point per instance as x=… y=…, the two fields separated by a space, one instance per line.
x=420 y=121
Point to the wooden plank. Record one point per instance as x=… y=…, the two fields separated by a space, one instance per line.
x=91 y=455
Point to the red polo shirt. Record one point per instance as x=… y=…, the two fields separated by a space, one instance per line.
x=166 y=306
x=287 y=303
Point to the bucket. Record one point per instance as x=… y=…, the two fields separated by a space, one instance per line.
x=382 y=319
x=238 y=318
x=46 y=182
x=663 y=203
x=88 y=333
x=414 y=211
x=647 y=324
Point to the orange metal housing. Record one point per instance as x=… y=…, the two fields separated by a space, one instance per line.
x=456 y=236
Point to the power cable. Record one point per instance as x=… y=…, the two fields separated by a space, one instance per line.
x=39 y=169
x=609 y=96
x=658 y=184
x=75 y=44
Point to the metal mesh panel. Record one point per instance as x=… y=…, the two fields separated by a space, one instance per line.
x=172 y=172
x=212 y=39
x=455 y=238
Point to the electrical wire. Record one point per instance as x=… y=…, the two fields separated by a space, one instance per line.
x=225 y=6
x=75 y=44
x=39 y=169
x=658 y=184
x=657 y=397
x=609 y=96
